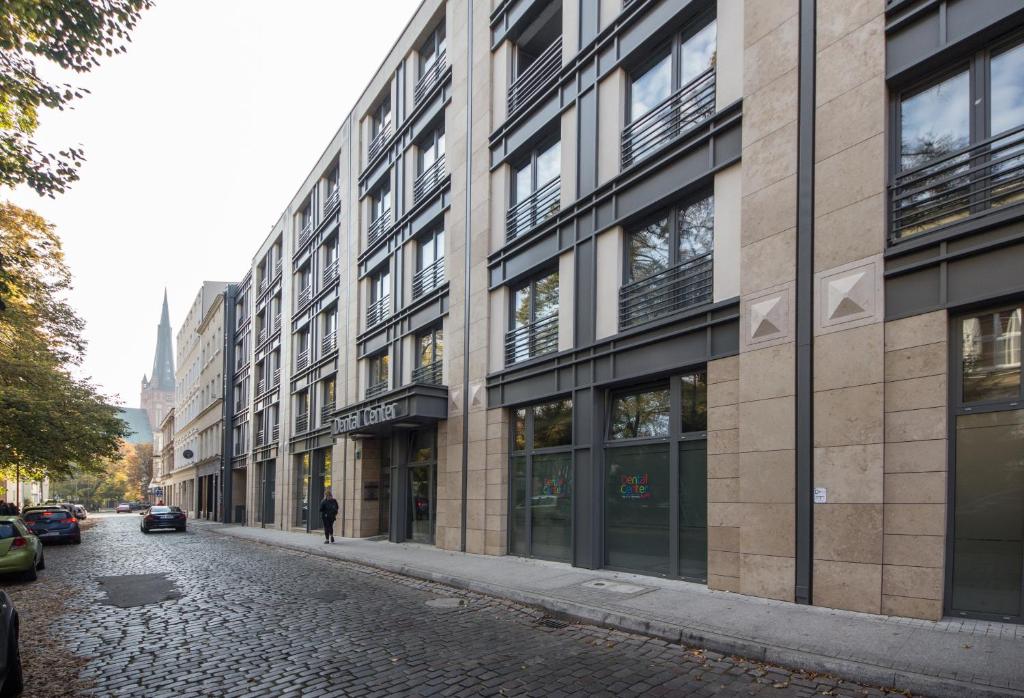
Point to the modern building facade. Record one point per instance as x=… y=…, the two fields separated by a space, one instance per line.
x=726 y=292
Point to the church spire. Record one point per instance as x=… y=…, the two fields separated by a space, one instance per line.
x=162 y=375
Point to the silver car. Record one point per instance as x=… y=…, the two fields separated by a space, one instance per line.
x=80 y=512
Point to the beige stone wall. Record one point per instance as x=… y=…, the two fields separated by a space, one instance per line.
x=763 y=497
x=724 y=509
x=848 y=343
x=916 y=361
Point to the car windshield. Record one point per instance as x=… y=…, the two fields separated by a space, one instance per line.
x=7 y=530
x=165 y=510
x=47 y=515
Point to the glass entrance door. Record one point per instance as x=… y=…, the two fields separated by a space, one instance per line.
x=267 y=495
x=384 y=489
x=987 y=575
x=421 y=504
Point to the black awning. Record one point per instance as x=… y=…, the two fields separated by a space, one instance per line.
x=407 y=407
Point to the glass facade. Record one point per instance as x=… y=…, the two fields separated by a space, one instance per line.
x=655 y=480
x=540 y=520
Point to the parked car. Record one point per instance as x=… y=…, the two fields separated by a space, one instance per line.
x=53 y=525
x=11 y=681
x=123 y=508
x=163 y=517
x=80 y=512
x=21 y=552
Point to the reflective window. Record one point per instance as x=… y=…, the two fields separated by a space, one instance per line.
x=698 y=52
x=693 y=509
x=549 y=164
x=551 y=506
x=694 y=402
x=552 y=424
x=696 y=229
x=649 y=249
x=519 y=429
x=991 y=356
x=430 y=347
x=1007 y=90
x=935 y=121
x=641 y=415
x=650 y=88
x=637 y=501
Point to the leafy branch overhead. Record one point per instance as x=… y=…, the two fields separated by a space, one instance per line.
x=72 y=35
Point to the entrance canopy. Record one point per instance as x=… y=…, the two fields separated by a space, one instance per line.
x=408 y=407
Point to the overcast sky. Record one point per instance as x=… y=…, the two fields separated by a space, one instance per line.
x=196 y=140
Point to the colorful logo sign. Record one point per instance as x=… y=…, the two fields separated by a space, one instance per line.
x=635 y=487
x=553 y=487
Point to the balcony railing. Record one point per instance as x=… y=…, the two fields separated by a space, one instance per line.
x=277 y=323
x=533 y=210
x=429 y=374
x=305 y=295
x=427 y=279
x=428 y=180
x=688 y=106
x=275 y=433
x=306 y=233
x=261 y=336
x=431 y=76
x=377 y=142
x=375 y=389
x=535 y=339
x=329 y=343
x=276 y=380
x=302 y=359
x=538 y=76
x=261 y=386
x=261 y=436
x=683 y=286
x=333 y=199
x=301 y=423
x=330 y=272
x=969 y=182
x=277 y=268
x=379 y=227
x=263 y=285
x=325 y=412
x=378 y=311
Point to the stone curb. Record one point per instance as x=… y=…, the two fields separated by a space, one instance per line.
x=861 y=672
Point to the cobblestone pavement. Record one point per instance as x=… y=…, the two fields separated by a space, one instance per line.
x=252 y=620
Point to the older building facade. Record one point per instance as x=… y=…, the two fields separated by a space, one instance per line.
x=726 y=292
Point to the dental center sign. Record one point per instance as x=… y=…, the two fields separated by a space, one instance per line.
x=365 y=417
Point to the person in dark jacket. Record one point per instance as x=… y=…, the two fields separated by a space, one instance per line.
x=328 y=513
x=13 y=510
x=4 y=509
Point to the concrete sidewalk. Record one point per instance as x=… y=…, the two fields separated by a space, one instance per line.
x=948 y=658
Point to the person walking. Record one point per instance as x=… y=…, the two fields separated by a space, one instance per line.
x=328 y=513
x=4 y=509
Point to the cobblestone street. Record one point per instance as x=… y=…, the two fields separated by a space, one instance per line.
x=245 y=619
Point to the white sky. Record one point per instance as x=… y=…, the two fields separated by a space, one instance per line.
x=196 y=139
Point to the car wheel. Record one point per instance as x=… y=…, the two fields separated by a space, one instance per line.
x=30 y=575
x=15 y=682
x=42 y=562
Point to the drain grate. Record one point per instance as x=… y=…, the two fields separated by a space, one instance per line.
x=552 y=622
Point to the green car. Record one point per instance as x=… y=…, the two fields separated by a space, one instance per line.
x=20 y=550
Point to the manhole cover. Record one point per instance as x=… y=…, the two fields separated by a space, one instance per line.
x=446 y=602
x=328 y=595
x=129 y=590
x=616 y=587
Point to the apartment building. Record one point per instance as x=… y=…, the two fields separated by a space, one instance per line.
x=726 y=292
x=194 y=483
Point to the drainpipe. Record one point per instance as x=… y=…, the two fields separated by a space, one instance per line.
x=468 y=276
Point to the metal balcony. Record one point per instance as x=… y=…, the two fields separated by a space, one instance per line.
x=261 y=437
x=305 y=296
x=540 y=75
x=376 y=389
x=683 y=286
x=431 y=77
x=429 y=180
x=302 y=360
x=301 y=423
x=378 y=311
x=682 y=111
x=430 y=374
x=535 y=339
x=275 y=433
x=277 y=323
x=332 y=201
x=330 y=272
x=261 y=336
x=263 y=285
x=378 y=228
x=325 y=413
x=276 y=380
x=533 y=210
x=277 y=268
x=377 y=143
x=261 y=386
x=306 y=233
x=329 y=343
x=427 y=279
x=967 y=183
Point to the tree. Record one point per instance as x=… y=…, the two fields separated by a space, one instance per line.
x=50 y=421
x=72 y=35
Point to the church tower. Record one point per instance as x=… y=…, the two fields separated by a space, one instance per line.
x=158 y=390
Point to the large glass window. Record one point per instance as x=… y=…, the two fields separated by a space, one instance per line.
x=432 y=49
x=379 y=372
x=935 y=121
x=991 y=355
x=429 y=249
x=534 y=320
x=541 y=167
x=431 y=149
x=655 y=498
x=540 y=520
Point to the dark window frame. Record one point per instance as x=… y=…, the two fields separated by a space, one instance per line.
x=431 y=142
x=380 y=115
x=532 y=282
x=430 y=239
x=433 y=331
x=437 y=42
x=673 y=214
x=378 y=359
x=515 y=197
